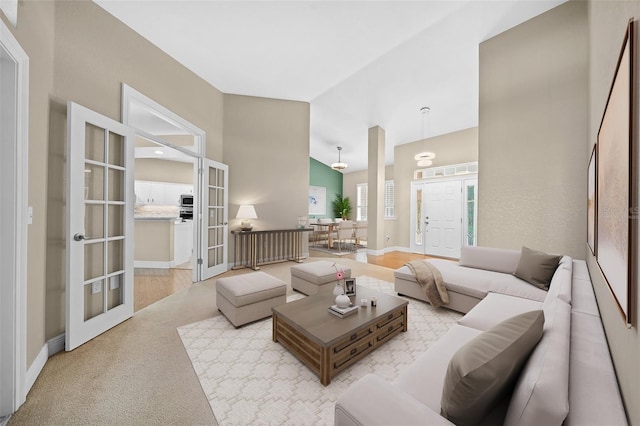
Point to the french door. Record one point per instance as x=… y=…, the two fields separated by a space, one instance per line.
x=99 y=284
x=214 y=219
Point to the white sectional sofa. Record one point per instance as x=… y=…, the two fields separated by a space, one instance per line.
x=567 y=379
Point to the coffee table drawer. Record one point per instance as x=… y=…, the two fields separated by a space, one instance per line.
x=346 y=343
x=390 y=329
x=351 y=353
x=392 y=316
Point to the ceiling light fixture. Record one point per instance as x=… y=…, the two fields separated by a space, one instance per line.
x=339 y=165
x=424 y=158
x=426 y=155
x=157 y=151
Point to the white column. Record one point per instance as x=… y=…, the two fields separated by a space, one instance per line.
x=375 y=208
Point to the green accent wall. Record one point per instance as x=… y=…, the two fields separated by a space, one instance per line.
x=322 y=175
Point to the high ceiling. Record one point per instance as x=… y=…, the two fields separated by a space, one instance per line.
x=358 y=63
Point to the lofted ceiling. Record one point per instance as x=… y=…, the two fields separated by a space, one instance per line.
x=358 y=63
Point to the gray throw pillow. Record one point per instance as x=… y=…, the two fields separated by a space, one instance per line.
x=486 y=367
x=536 y=267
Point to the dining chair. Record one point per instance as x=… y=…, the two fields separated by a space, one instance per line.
x=345 y=232
x=361 y=229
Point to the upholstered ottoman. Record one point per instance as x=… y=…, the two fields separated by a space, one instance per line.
x=249 y=297
x=315 y=277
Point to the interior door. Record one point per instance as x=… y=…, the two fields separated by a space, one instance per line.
x=99 y=292
x=443 y=218
x=213 y=216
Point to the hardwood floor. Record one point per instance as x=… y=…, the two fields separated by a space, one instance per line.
x=152 y=285
x=392 y=260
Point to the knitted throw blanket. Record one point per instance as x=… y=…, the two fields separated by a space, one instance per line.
x=430 y=279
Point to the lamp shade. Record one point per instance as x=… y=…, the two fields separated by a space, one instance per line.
x=247 y=212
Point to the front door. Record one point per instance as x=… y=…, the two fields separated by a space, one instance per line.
x=443 y=218
x=214 y=219
x=436 y=218
x=99 y=293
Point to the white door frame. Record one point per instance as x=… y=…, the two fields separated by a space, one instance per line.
x=14 y=166
x=130 y=96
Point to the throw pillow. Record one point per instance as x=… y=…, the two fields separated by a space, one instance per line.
x=536 y=267
x=486 y=367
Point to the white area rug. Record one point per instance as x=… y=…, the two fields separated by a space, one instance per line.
x=250 y=380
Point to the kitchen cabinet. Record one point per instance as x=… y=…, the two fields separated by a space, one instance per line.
x=160 y=193
x=182 y=242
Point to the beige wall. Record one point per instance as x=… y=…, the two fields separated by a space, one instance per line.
x=607 y=25
x=164 y=171
x=35 y=33
x=453 y=148
x=266 y=145
x=79 y=52
x=532 y=131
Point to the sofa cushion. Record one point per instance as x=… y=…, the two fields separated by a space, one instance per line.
x=484 y=369
x=495 y=308
x=536 y=267
x=477 y=282
x=591 y=369
x=423 y=379
x=541 y=395
x=561 y=282
x=491 y=259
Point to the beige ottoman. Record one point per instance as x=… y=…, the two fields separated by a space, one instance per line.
x=249 y=297
x=315 y=277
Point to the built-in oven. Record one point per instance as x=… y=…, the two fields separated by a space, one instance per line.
x=186 y=206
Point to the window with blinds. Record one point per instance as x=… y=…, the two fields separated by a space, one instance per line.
x=362 y=200
x=389 y=200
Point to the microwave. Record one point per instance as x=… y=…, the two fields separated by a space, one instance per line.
x=186 y=200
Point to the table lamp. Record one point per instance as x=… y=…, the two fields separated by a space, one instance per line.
x=246 y=212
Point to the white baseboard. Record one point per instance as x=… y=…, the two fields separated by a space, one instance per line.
x=52 y=347
x=56 y=344
x=397 y=248
x=36 y=367
x=153 y=264
x=388 y=250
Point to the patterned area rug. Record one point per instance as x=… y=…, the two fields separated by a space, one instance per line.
x=249 y=379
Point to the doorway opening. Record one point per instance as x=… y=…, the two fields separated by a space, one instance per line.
x=173 y=212
x=14 y=166
x=163 y=221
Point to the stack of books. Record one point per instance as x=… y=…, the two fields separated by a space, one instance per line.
x=343 y=312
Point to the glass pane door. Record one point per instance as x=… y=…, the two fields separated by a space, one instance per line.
x=214 y=246
x=100 y=223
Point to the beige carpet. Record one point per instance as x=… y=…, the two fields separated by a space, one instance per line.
x=139 y=372
x=250 y=380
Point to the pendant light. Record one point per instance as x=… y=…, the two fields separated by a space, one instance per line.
x=425 y=158
x=339 y=165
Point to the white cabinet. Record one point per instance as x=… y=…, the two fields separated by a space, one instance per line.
x=172 y=194
x=160 y=193
x=182 y=242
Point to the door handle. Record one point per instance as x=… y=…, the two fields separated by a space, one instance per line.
x=80 y=236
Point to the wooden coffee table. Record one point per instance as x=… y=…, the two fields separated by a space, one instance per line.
x=328 y=344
